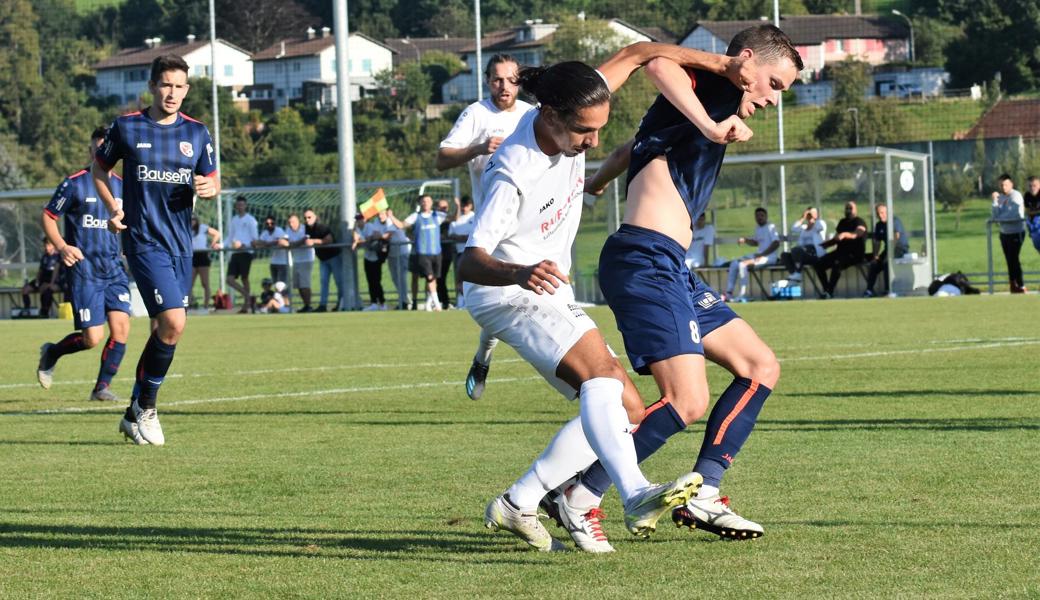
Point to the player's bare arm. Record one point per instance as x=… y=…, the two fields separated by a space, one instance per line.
x=448 y=158
x=70 y=255
x=100 y=175
x=477 y=266
x=618 y=68
x=674 y=83
x=615 y=164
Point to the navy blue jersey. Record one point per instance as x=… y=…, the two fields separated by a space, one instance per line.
x=86 y=223
x=48 y=264
x=159 y=162
x=694 y=161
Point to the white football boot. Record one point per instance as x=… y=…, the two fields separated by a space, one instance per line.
x=645 y=508
x=44 y=375
x=713 y=514
x=584 y=525
x=148 y=424
x=130 y=431
x=500 y=514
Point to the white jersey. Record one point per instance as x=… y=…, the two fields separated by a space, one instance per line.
x=200 y=240
x=766 y=235
x=479 y=122
x=462 y=225
x=532 y=204
x=702 y=238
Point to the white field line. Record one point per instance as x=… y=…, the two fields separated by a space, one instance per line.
x=384 y=388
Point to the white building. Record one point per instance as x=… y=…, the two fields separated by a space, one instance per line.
x=125 y=74
x=303 y=70
x=527 y=44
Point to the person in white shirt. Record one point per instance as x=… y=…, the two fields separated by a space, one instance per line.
x=767 y=240
x=400 y=252
x=458 y=231
x=241 y=235
x=477 y=133
x=203 y=239
x=273 y=236
x=302 y=259
x=700 y=248
x=515 y=267
x=810 y=231
x=1009 y=209
x=376 y=239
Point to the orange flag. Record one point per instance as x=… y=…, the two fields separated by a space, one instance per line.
x=371 y=207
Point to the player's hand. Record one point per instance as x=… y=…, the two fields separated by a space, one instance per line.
x=996 y=197
x=742 y=72
x=205 y=187
x=115 y=222
x=215 y=245
x=737 y=129
x=740 y=240
x=492 y=144
x=71 y=255
x=543 y=277
x=595 y=188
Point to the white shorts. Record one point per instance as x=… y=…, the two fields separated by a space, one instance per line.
x=541 y=328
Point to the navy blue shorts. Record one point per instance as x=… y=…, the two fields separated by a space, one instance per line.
x=662 y=310
x=93 y=299
x=164 y=281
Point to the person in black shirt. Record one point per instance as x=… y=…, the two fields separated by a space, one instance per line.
x=331 y=260
x=878 y=261
x=850 y=246
x=46 y=281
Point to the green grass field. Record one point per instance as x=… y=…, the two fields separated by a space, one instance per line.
x=337 y=456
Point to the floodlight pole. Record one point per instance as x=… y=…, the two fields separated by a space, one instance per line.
x=780 y=140
x=216 y=127
x=345 y=135
x=479 y=59
x=911 y=25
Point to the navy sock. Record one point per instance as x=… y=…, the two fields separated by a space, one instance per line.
x=71 y=343
x=660 y=423
x=729 y=425
x=151 y=370
x=111 y=356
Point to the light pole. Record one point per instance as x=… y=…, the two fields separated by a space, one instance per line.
x=911 y=24
x=855 y=121
x=414 y=47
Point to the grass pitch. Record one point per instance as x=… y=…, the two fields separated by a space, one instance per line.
x=336 y=455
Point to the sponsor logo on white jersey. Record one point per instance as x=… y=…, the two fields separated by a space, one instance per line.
x=92 y=222
x=144 y=145
x=187 y=149
x=180 y=176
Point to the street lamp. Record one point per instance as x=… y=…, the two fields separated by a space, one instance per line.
x=911 y=24
x=855 y=121
x=414 y=47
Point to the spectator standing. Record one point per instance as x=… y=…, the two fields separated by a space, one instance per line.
x=400 y=252
x=376 y=238
x=767 y=240
x=203 y=239
x=273 y=236
x=879 y=258
x=46 y=280
x=427 y=225
x=302 y=259
x=458 y=232
x=1031 y=200
x=850 y=247
x=319 y=236
x=242 y=234
x=809 y=231
x=700 y=248
x=447 y=255
x=1009 y=210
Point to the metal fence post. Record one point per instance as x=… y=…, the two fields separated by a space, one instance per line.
x=989 y=252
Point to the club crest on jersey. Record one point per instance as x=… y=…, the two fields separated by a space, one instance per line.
x=187 y=149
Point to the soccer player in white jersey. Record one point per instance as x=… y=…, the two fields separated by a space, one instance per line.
x=515 y=266
x=476 y=135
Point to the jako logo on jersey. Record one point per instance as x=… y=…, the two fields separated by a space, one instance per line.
x=91 y=199
x=547 y=205
x=708 y=300
x=92 y=222
x=182 y=176
x=124 y=297
x=60 y=203
x=144 y=145
x=187 y=149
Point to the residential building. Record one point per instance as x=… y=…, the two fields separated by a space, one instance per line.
x=303 y=70
x=125 y=74
x=527 y=44
x=412 y=49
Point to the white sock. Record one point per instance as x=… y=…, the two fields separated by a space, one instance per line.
x=485 y=347
x=566 y=455
x=605 y=422
x=582 y=497
x=707 y=491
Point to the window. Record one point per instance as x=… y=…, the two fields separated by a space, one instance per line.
x=197 y=70
x=350 y=66
x=281 y=92
x=296 y=66
x=278 y=67
x=296 y=92
x=229 y=70
x=366 y=65
x=839 y=45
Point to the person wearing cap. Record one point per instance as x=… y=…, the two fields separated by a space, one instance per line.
x=272 y=299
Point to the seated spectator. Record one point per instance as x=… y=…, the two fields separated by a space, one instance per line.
x=46 y=280
x=1009 y=211
x=878 y=261
x=272 y=299
x=850 y=246
x=809 y=232
x=767 y=240
x=700 y=247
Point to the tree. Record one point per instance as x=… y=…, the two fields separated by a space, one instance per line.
x=849 y=112
x=440 y=66
x=953 y=186
x=258 y=24
x=405 y=89
x=1000 y=37
x=291 y=158
x=20 y=79
x=931 y=39
x=588 y=40
x=733 y=10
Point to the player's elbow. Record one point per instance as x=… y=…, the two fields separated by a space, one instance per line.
x=467 y=266
x=655 y=67
x=443 y=161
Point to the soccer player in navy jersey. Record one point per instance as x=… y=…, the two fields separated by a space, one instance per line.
x=670 y=320
x=100 y=290
x=167 y=160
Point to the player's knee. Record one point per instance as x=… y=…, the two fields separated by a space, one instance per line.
x=765 y=368
x=689 y=406
x=92 y=338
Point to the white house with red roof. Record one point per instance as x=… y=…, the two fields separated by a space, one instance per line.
x=125 y=74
